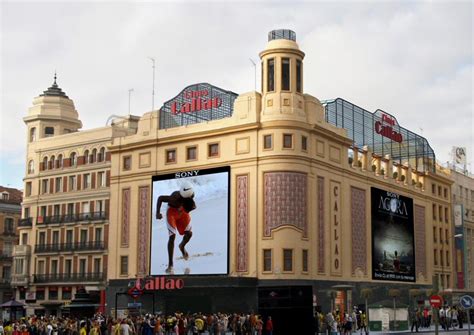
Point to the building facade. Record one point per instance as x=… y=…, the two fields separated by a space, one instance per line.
x=303 y=195
x=64 y=233
x=10 y=214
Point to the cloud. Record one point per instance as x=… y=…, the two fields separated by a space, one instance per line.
x=413 y=60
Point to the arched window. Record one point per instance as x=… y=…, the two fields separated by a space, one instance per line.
x=33 y=134
x=101 y=154
x=52 y=162
x=86 y=157
x=73 y=158
x=94 y=156
x=45 y=163
x=60 y=161
x=31 y=166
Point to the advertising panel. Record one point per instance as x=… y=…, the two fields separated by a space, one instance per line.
x=190 y=222
x=393 y=243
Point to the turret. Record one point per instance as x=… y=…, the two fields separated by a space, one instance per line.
x=282 y=77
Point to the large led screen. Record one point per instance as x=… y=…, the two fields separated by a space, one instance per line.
x=393 y=246
x=189 y=234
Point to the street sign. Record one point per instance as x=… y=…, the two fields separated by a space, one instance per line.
x=436 y=301
x=467 y=301
x=134 y=305
x=135 y=292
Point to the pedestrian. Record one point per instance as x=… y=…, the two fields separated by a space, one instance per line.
x=269 y=326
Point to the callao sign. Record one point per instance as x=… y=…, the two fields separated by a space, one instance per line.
x=385 y=128
x=154 y=284
x=196 y=101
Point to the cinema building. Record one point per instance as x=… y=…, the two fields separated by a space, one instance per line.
x=301 y=201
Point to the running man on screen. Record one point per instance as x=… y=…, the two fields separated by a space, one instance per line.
x=180 y=203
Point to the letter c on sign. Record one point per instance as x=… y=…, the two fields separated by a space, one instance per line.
x=336 y=191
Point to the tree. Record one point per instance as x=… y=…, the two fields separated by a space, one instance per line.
x=394 y=293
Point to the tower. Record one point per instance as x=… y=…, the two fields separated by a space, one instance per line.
x=52 y=114
x=282 y=78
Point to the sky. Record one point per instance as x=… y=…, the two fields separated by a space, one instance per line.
x=413 y=60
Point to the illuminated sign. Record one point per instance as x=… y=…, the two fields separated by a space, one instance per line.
x=385 y=128
x=336 y=228
x=197 y=103
x=154 y=284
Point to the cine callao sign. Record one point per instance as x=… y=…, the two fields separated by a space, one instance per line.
x=158 y=283
x=385 y=128
x=197 y=101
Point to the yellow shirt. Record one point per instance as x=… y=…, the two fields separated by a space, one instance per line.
x=83 y=331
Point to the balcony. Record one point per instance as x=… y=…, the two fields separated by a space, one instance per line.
x=6 y=256
x=19 y=280
x=27 y=222
x=71 y=218
x=21 y=250
x=69 y=277
x=78 y=246
x=9 y=233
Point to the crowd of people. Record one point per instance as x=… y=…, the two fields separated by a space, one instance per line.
x=177 y=324
x=337 y=322
x=450 y=317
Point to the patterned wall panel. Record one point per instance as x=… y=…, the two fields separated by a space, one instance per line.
x=285 y=201
x=242 y=223
x=420 y=241
x=321 y=224
x=125 y=229
x=359 y=230
x=143 y=224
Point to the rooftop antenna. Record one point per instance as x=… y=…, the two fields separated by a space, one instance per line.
x=129 y=95
x=153 y=90
x=254 y=72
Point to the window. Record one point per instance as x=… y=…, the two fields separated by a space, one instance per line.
x=440 y=235
x=54 y=266
x=9 y=226
x=97 y=268
x=441 y=257
x=53 y=294
x=82 y=266
x=72 y=183
x=70 y=208
x=19 y=266
x=439 y=190
x=57 y=210
x=434 y=234
x=213 y=150
x=98 y=234
x=6 y=272
x=99 y=206
x=127 y=163
x=191 y=153
x=56 y=237
x=43 y=212
x=446 y=216
x=101 y=156
x=40 y=294
x=446 y=236
x=67 y=295
x=5 y=195
x=87 y=181
x=52 y=160
x=435 y=257
x=7 y=248
x=31 y=167
x=40 y=267
x=42 y=238
x=285 y=74
x=45 y=163
x=267 y=141
x=445 y=192
x=270 y=75
x=123 y=265
x=434 y=211
x=298 y=76
x=60 y=161
x=44 y=186
x=58 y=184
x=287 y=260
x=83 y=236
x=101 y=179
x=24 y=238
x=68 y=266
x=28 y=189
x=447 y=257
x=86 y=157
x=73 y=159
x=287 y=141
x=48 y=131
x=26 y=212
x=33 y=134
x=69 y=236
x=171 y=156
x=93 y=157
x=433 y=188
x=304 y=143
x=267 y=260
x=305 y=260
x=440 y=210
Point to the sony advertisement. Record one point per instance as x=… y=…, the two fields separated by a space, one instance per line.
x=190 y=222
x=393 y=240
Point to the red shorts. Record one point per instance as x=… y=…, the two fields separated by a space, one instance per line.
x=178 y=220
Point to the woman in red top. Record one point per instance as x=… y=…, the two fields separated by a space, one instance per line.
x=269 y=326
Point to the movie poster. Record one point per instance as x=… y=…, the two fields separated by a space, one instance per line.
x=393 y=243
x=194 y=207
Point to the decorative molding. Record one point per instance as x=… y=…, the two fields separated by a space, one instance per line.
x=125 y=229
x=143 y=223
x=285 y=201
x=321 y=224
x=420 y=242
x=242 y=223
x=359 y=231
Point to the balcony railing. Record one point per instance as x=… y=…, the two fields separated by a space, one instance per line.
x=77 y=246
x=8 y=233
x=69 y=277
x=71 y=218
x=27 y=222
x=4 y=256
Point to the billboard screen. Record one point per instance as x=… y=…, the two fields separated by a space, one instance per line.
x=190 y=222
x=393 y=244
